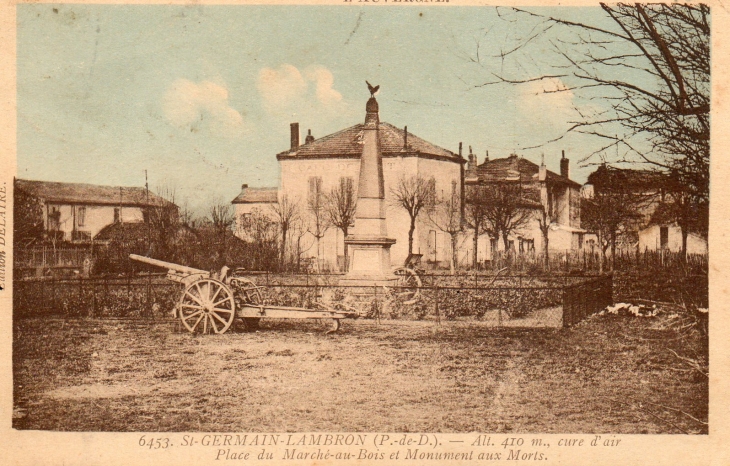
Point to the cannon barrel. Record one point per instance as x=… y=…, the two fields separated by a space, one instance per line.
x=168 y=265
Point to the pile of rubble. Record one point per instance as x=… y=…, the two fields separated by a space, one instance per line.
x=626 y=309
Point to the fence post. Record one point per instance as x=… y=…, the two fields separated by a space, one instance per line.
x=53 y=293
x=148 y=309
x=566 y=307
x=81 y=295
x=436 y=299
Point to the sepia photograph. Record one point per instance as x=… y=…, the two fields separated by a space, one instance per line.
x=420 y=220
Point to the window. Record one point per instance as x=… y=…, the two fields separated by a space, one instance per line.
x=315 y=185
x=347 y=183
x=54 y=218
x=663 y=237
x=432 y=245
x=81 y=213
x=117 y=215
x=580 y=240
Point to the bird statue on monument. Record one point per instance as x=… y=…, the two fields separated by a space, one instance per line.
x=373 y=90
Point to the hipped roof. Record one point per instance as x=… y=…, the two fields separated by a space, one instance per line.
x=82 y=193
x=514 y=168
x=347 y=143
x=256 y=196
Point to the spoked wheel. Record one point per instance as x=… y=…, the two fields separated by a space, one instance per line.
x=408 y=285
x=249 y=293
x=207 y=306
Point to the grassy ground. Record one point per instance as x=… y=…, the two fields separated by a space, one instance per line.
x=607 y=374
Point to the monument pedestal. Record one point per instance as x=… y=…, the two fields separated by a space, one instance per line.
x=370 y=264
x=369 y=243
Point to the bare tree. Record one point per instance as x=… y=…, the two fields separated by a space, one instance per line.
x=286 y=212
x=414 y=194
x=506 y=209
x=446 y=216
x=261 y=231
x=614 y=206
x=683 y=207
x=318 y=223
x=163 y=221
x=341 y=204
x=298 y=235
x=28 y=217
x=222 y=220
x=475 y=210
x=546 y=215
x=649 y=66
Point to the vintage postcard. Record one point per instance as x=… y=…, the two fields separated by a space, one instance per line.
x=363 y=232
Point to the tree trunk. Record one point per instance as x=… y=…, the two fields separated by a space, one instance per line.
x=282 y=253
x=410 y=235
x=685 y=233
x=546 y=249
x=505 y=240
x=453 y=254
x=346 y=264
x=318 y=258
x=475 y=262
x=299 y=253
x=613 y=250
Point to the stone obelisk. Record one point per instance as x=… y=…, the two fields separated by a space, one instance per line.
x=369 y=243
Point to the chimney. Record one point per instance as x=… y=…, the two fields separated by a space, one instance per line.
x=486 y=157
x=565 y=166
x=405 y=138
x=244 y=186
x=309 y=137
x=460 y=155
x=472 y=164
x=542 y=174
x=294 y=136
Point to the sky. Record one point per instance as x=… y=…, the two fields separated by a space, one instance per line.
x=202 y=96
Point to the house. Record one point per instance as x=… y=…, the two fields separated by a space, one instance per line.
x=668 y=237
x=651 y=227
x=77 y=212
x=542 y=191
x=320 y=165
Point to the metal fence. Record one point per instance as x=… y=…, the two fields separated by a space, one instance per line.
x=507 y=301
x=586 y=298
x=47 y=256
x=585 y=261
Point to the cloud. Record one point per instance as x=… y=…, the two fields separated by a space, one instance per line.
x=281 y=86
x=187 y=104
x=324 y=80
x=287 y=90
x=546 y=95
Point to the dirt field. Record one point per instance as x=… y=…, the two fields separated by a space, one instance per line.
x=608 y=374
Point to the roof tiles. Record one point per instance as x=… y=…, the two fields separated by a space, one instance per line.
x=82 y=193
x=348 y=143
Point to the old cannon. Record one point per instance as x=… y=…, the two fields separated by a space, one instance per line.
x=210 y=302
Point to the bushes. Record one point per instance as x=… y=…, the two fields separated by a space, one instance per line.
x=156 y=297
x=96 y=298
x=691 y=290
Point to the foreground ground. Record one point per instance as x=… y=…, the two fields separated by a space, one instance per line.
x=607 y=374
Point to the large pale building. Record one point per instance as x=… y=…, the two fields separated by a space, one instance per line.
x=78 y=211
x=544 y=191
x=324 y=163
